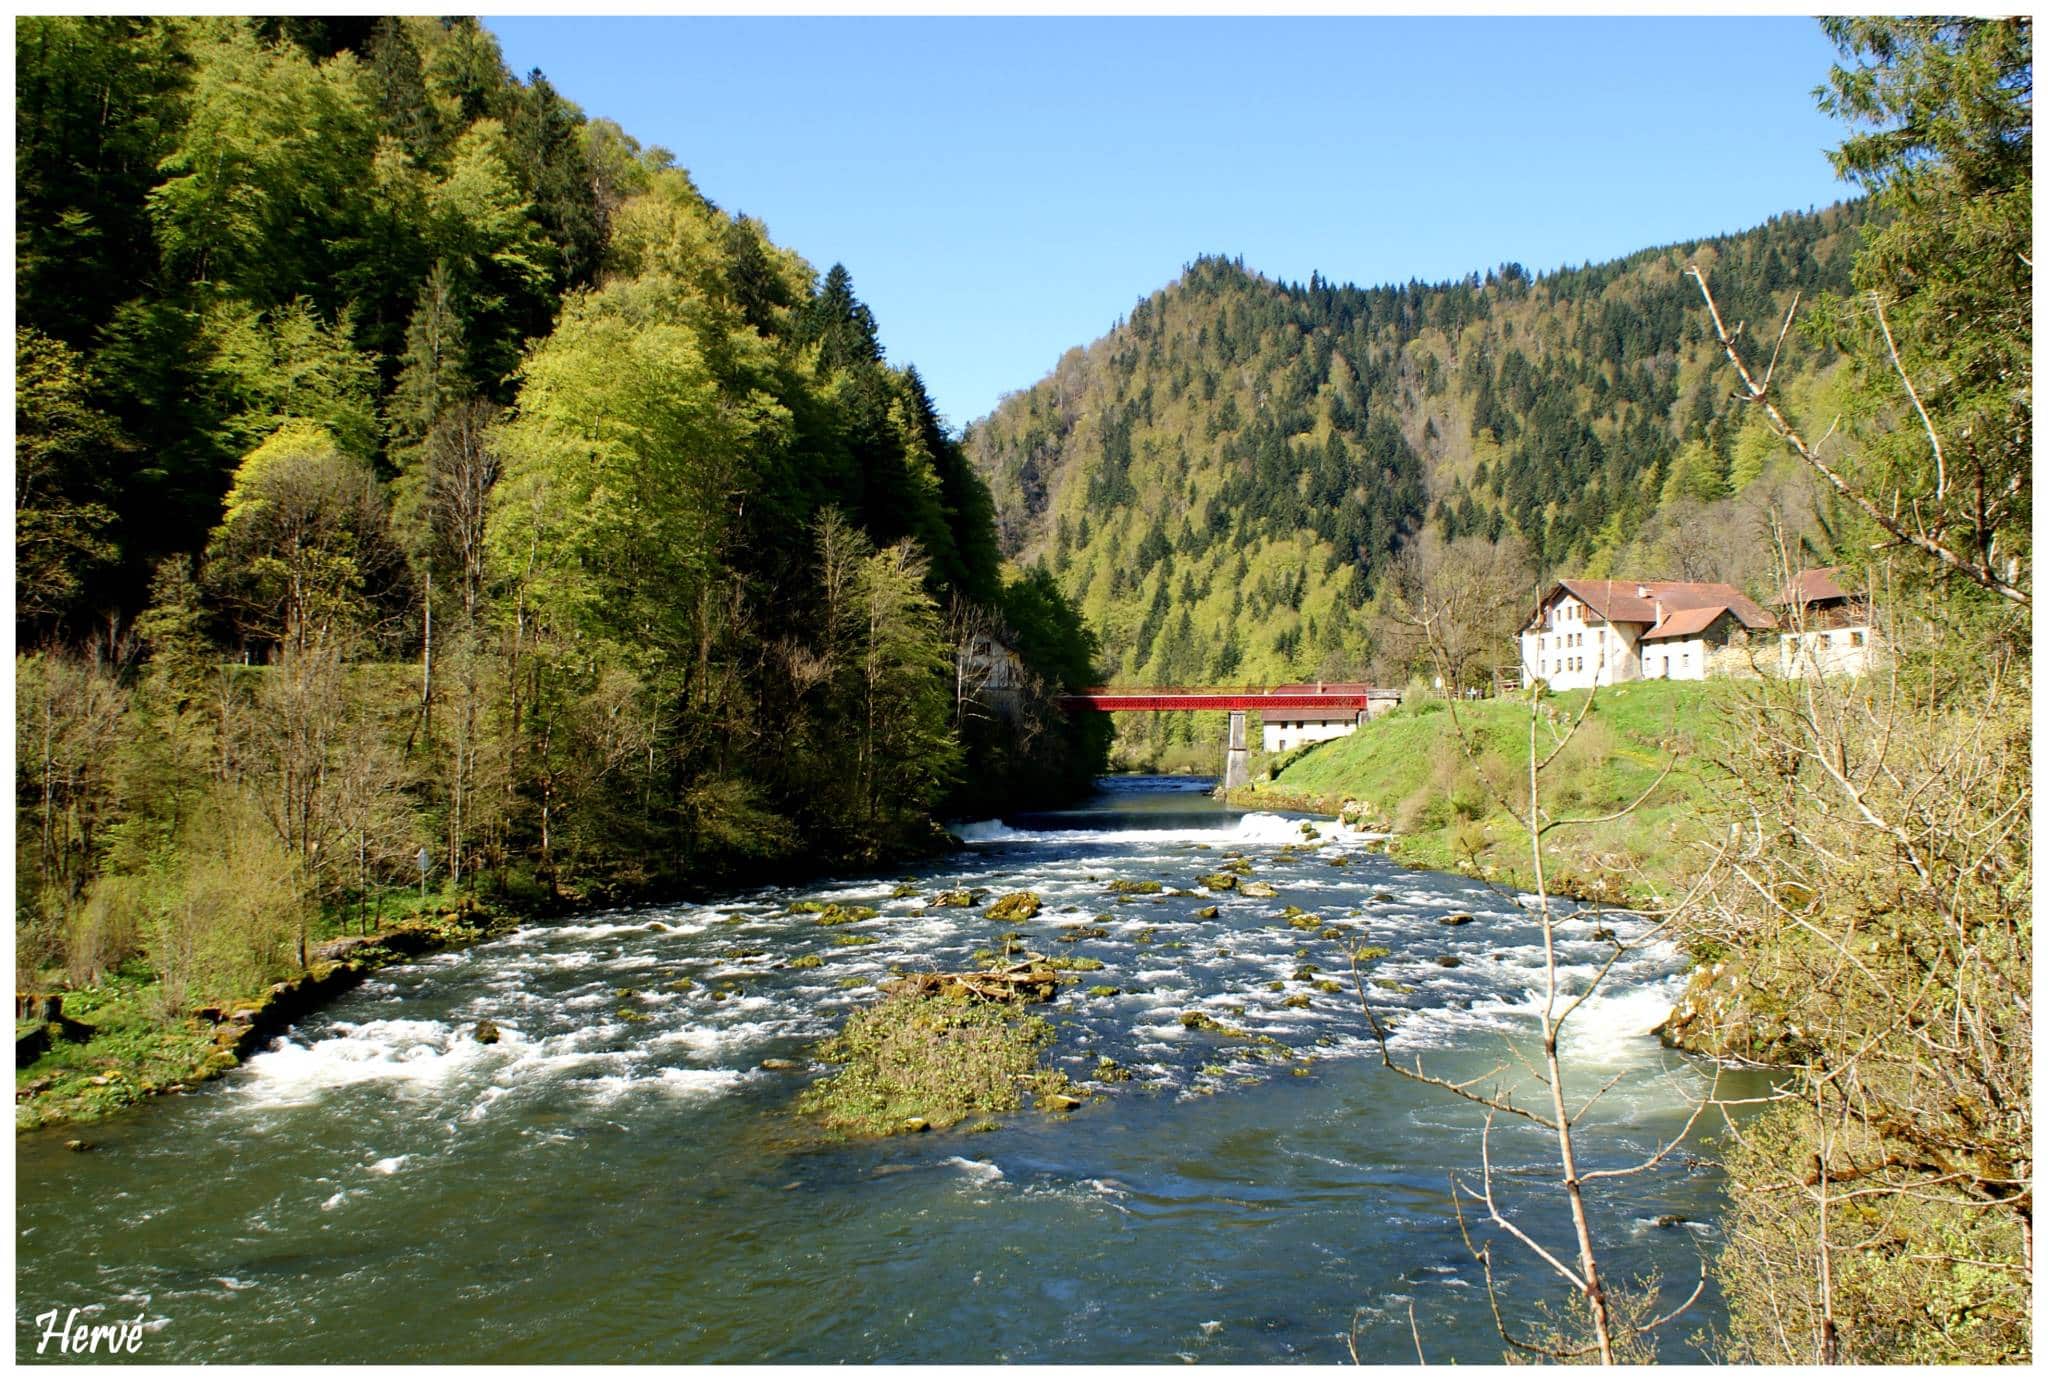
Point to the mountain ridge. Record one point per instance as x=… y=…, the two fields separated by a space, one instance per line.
x=1225 y=478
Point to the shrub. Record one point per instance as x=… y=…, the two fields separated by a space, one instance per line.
x=937 y=1059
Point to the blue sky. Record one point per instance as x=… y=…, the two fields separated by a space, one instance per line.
x=1002 y=190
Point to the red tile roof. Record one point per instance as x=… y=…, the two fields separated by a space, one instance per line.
x=1685 y=623
x=1815 y=586
x=1617 y=601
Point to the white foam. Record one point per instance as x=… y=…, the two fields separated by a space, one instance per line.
x=989 y=832
x=693 y=1085
x=401 y=1052
x=980 y=1171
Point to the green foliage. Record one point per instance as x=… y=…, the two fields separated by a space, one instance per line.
x=1882 y=1211
x=939 y=1060
x=1942 y=110
x=303 y=550
x=66 y=456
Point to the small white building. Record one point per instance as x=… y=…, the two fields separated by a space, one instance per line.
x=1284 y=730
x=1826 y=630
x=1599 y=632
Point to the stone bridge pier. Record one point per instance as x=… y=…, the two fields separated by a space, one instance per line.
x=1237 y=755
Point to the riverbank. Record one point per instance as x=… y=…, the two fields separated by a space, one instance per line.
x=1442 y=800
x=114 y=1048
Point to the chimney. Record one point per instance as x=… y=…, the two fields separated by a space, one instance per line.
x=1642 y=591
x=1658 y=605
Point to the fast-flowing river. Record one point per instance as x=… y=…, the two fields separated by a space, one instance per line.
x=380 y=1186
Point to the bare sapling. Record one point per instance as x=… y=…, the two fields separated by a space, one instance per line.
x=1618 y=1333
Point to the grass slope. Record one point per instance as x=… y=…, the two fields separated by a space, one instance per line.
x=1412 y=775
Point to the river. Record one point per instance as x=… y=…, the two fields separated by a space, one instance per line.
x=379 y=1186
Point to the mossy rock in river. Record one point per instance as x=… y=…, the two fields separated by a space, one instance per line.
x=1256 y=889
x=1202 y=1021
x=808 y=961
x=831 y=913
x=1206 y=913
x=1218 y=882
x=1142 y=888
x=1017 y=906
x=958 y=896
x=914 y=1062
x=1072 y=933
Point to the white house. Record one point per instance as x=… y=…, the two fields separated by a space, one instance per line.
x=1283 y=730
x=1827 y=630
x=1598 y=632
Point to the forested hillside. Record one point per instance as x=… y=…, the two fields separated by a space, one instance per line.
x=410 y=462
x=1226 y=480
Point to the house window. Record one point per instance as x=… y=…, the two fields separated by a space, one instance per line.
x=1856 y=639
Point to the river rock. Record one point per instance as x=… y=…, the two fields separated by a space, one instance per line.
x=1017 y=906
x=916 y=1124
x=1060 y=1102
x=958 y=896
x=1383 y=897
x=1256 y=889
x=1142 y=888
x=1449 y=961
x=1455 y=918
x=1218 y=882
x=486 y=1032
x=1670 y=1220
x=1206 y=913
x=780 y=1065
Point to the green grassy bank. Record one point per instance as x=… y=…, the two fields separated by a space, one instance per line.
x=120 y=1042
x=1443 y=799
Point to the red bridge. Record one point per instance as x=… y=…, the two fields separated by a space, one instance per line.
x=1333 y=699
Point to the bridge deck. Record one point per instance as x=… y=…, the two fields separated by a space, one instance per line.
x=1349 y=699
